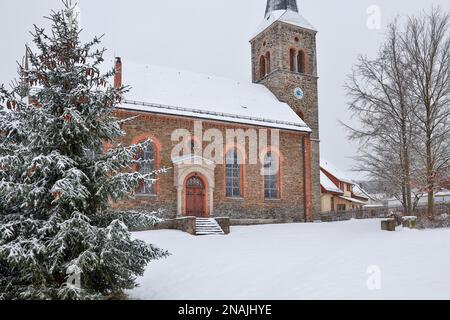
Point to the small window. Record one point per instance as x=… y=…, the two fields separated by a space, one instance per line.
x=292 y=59
x=192 y=147
x=268 y=65
x=341 y=207
x=271 y=177
x=301 y=61
x=262 y=67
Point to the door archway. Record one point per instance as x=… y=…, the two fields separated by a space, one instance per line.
x=196 y=202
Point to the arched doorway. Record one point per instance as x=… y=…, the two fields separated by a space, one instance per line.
x=195 y=197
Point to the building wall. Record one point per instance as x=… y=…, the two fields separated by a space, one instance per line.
x=290 y=207
x=278 y=40
x=326 y=203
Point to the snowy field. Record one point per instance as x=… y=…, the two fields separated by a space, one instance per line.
x=299 y=261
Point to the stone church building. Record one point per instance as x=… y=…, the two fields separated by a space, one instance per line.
x=282 y=100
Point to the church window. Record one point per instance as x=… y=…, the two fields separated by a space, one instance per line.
x=271 y=177
x=292 y=59
x=233 y=175
x=146 y=160
x=301 y=61
x=262 y=67
x=268 y=64
x=192 y=147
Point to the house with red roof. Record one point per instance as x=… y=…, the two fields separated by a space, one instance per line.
x=339 y=192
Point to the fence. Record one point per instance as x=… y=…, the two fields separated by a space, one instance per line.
x=441 y=213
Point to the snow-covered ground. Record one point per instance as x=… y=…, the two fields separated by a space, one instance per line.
x=300 y=261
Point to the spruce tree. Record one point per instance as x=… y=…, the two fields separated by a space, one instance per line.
x=58 y=239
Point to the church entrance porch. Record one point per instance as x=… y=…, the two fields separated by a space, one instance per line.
x=195 y=183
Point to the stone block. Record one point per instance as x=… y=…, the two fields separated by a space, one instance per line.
x=224 y=223
x=186 y=224
x=388 y=225
x=409 y=222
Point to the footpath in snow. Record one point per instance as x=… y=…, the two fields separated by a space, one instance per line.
x=300 y=261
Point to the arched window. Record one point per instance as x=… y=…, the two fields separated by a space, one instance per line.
x=233 y=174
x=146 y=160
x=271 y=176
x=292 y=53
x=192 y=147
x=262 y=67
x=268 y=64
x=301 y=65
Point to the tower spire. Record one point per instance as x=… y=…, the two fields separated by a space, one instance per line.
x=273 y=5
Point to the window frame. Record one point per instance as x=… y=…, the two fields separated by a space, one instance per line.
x=301 y=62
x=262 y=67
x=237 y=172
x=142 y=190
x=273 y=179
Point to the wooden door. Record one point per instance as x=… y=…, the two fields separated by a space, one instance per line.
x=195 y=197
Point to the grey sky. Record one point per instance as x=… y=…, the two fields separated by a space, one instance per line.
x=211 y=36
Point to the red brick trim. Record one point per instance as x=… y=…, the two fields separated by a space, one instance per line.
x=307 y=177
x=304 y=62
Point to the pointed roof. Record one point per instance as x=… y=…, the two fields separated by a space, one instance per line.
x=335 y=172
x=274 y=5
x=285 y=11
x=329 y=185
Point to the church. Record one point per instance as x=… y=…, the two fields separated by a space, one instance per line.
x=279 y=107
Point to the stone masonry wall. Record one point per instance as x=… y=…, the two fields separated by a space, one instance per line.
x=278 y=40
x=253 y=205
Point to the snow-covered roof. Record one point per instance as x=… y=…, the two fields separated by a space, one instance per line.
x=352 y=200
x=328 y=185
x=360 y=192
x=443 y=193
x=333 y=170
x=286 y=16
x=182 y=93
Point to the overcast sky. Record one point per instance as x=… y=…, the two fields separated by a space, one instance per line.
x=211 y=36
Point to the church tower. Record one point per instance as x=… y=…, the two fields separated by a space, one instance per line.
x=284 y=59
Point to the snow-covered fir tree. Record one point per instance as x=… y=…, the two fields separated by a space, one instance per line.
x=57 y=238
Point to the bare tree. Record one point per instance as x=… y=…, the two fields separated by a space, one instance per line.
x=426 y=42
x=380 y=99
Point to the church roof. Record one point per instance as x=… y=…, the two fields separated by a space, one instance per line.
x=273 y=5
x=181 y=93
x=285 y=11
x=286 y=16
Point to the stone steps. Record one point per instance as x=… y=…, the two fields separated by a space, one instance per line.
x=208 y=227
